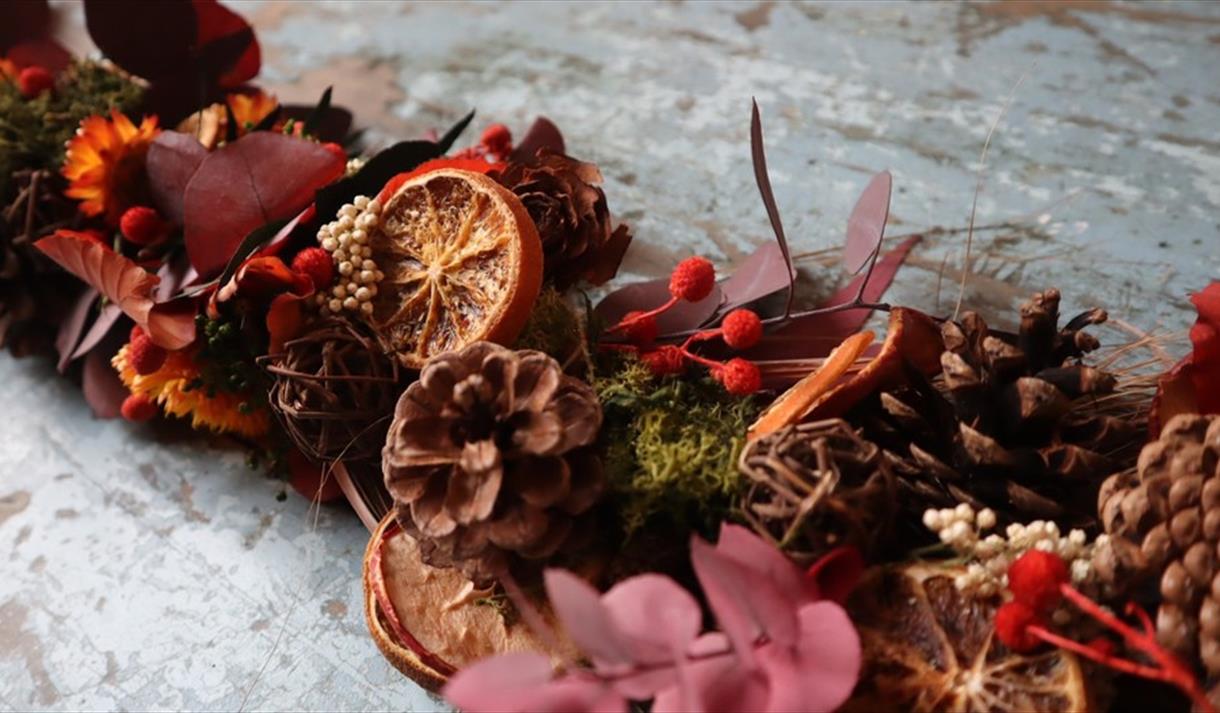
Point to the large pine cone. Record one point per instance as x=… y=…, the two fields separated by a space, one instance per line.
x=1162 y=520
x=565 y=199
x=489 y=455
x=816 y=486
x=1009 y=423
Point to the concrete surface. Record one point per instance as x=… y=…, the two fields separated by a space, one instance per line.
x=157 y=572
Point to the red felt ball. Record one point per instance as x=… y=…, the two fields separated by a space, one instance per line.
x=1012 y=622
x=642 y=331
x=1035 y=579
x=665 y=360
x=740 y=377
x=144 y=356
x=498 y=140
x=316 y=264
x=741 y=329
x=34 y=80
x=141 y=225
x=136 y=332
x=693 y=279
x=138 y=408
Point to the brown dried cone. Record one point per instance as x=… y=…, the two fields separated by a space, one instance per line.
x=333 y=391
x=816 y=486
x=1010 y=423
x=1162 y=524
x=35 y=294
x=489 y=456
x=567 y=204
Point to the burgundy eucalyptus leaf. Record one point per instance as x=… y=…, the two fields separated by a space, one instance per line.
x=759 y=155
x=763 y=273
x=332 y=123
x=257 y=179
x=23 y=21
x=542 y=134
x=866 y=225
x=107 y=317
x=836 y=573
x=71 y=328
x=650 y=294
x=100 y=383
x=172 y=324
x=173 y=159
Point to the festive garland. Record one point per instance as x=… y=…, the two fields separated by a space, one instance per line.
x=938 y=521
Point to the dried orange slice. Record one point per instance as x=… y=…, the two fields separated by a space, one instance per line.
x=462 y=263
x=928 y=647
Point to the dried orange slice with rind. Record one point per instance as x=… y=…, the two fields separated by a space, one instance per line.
x=462 y=263
x=928 y=647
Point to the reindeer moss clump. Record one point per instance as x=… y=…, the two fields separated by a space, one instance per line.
x=671 y=446
x=557 y=328
x=33 y=131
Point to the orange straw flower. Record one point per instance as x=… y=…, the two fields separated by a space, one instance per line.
x=105 y=161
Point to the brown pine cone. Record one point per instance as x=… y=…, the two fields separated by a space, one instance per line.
x=816 y=486
x=564 y=198
x=1162 y=521
x=489 y=455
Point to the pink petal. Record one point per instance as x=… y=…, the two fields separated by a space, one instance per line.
x=506 y=682
x=585 y=619
x=745 y=604
x=743 y=546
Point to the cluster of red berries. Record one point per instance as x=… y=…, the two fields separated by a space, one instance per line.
x=1035 y=580
x=35 y=80
x=317 y=265
x=692 y=281
x=495 y=145
x=145 y=357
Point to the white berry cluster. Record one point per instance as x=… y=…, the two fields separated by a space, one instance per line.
x=347 y=241
x=353 y=166
x=989 y=556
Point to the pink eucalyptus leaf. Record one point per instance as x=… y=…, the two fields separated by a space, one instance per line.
x=259 y=178
x=524 y=682
x=827 y=660
x=763 y=273
x=173 y=159
x=750 y=550
x=866 y=225
x=746 y=604
x=714 y=682
x=585 y=619
x=836 y=573
x=658 y=620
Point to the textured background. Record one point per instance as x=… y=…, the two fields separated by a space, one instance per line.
x=149 y=570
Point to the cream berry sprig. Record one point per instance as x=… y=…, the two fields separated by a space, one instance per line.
x=356 y=273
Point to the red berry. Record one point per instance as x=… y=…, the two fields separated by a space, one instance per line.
x=740 y=377
x=640 y=332
x=693 y=279
x=665 y=360
x=34 y=80
x=137 y=332
x=1012 y=622
x=141 y=225
x=317 y=264
x=138 y=408
x=498 y=140
x=144 y=356
x=741 y=329
x=1035 y=579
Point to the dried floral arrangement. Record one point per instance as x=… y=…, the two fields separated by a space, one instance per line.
x=687 y=496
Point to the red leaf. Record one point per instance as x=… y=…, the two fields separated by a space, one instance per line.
x=259 y=178
x=117 y=278
x=172 y=161
x=759 y=155
x=285 y=317
x=836 y=573
x=654 y=293
x=764 y=273
x=45 y=53
x=101 y=326
x=100 y=383
x=172 y=324
x=70 y=329
x=542 y=134
x=218 y=25
x=1193 y=384
x=867 y=222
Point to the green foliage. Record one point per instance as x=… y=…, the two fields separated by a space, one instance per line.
x=226 y=364
x=671 y=446
x=33 y=131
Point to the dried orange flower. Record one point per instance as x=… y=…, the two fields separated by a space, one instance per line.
x=104 y=162
x=250 y=109
x=169 y=386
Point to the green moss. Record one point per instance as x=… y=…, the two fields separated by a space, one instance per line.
x=671 y=446
x=33 y=132
x=557 y=328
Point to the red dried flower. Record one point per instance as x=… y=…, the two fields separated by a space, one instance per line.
x=740 y=377
x=693 y=279
x=665 y=360
x=1035 y=579
x=138 y=408
x=640 y=328
x=741 y=329
x=315 y=263
x=141 y=225
x=34 y=80
x=497 y=140
x=144 y=356
x=1012 y=622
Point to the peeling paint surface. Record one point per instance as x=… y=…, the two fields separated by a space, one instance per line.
x=147 y=570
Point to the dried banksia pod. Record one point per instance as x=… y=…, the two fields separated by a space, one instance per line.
x=1162 y=527
x=333 y=391
x=815 y=486
x=490 y=456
